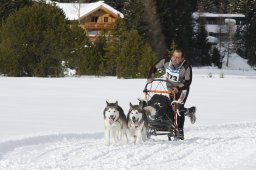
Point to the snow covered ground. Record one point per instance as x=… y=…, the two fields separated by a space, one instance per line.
x=57 y=123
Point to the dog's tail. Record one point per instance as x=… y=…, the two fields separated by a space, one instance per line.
x=150 y=111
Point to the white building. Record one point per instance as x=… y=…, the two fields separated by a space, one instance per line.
x=219 y=25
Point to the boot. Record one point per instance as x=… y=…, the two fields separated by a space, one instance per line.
x=191 y=113
x=180 y=134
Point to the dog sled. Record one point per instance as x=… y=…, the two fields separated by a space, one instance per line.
x=164 y=120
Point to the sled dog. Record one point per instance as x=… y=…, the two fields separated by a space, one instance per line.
x=137 y=123
x=157 y=106
x=149 y=110
x=115 y=123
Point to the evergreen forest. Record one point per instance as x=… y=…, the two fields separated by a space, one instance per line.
x=37 y=41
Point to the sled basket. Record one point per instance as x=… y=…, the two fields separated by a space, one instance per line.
x=164 y=121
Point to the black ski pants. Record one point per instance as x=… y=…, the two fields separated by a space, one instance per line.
x=182 y=109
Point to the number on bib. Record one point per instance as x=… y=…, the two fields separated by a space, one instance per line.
x=172 y=75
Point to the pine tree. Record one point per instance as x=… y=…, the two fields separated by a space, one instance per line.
x=206 y=6
x=113 y=48
x=248 y=31
x=76 y=1
x=239 y=41
x=130 y=55
x=172 y=48
x=91 y=64
x=116 y=4
x=40 y=42
x=251 y=42
x=235 y=6
x=108 y=63
x=135 y=18
x=154 y=34
x=167 y=15
x=216 y=58
x=201 y=45
x=80 y=51
x=250 y=9
x=9 y=6
x=147 y=60
x=176 y=22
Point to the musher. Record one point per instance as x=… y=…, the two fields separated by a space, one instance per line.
x=179 y=76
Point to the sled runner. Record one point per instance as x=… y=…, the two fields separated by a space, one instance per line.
x=163 y=122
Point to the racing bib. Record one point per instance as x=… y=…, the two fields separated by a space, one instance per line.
x=172 y=74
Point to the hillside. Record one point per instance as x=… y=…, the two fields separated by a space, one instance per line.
x=237 y=66
x=236 y=63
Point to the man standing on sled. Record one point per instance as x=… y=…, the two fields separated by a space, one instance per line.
x=179 y=77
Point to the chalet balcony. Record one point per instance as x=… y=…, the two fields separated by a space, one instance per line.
x=98 y=26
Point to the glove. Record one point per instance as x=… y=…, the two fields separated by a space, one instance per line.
x=178 y=106
x=149 y=81
x=175 y=90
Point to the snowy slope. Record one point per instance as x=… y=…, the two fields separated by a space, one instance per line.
x=230 y=146
x=237 y=66
x=57 y=123
x=235 y=62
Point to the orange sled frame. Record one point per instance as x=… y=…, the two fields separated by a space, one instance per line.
x=170 y=125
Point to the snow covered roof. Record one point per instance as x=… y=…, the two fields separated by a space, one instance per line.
x=230 y=21
x=211 y=15
x=217 y=28
x=71 y=10
x=212 y=39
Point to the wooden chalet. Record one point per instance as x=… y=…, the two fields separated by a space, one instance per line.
x=96 y=18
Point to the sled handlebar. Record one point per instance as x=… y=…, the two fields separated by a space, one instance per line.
x=146 y=90
x=160 y=80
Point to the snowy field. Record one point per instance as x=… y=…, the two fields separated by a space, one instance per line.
x=57 y=124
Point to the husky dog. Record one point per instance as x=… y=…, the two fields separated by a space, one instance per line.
x=149 y=110
x=115 y=123
x=137 y=123
x=157 y=107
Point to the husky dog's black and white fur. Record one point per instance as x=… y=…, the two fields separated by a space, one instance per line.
x=115 y=123
x=137 y=123
x=158 y=106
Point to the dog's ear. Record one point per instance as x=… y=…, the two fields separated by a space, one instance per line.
x=142 y=104
x=131 y=105
x=107 y=102
x=116 y=103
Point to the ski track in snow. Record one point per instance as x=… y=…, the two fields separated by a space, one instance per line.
x=205 y=147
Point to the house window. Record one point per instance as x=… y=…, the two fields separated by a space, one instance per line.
x=94 y=19
x=92 y=32
x=105 y=19
x=211 y=21
x=212 y=34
